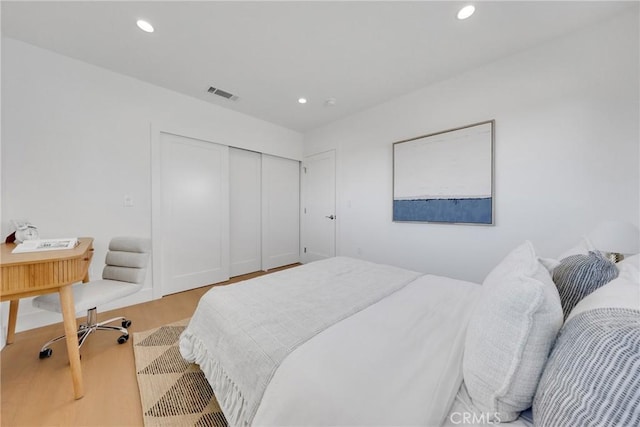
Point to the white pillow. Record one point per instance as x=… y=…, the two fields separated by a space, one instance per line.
x=510 y=334
x=618 y=293
x=630 y=268
x=581 y=248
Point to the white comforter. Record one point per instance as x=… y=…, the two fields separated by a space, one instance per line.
x=397 y=362
x=240 y=334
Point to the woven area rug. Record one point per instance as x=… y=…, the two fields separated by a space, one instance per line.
x=173 y=392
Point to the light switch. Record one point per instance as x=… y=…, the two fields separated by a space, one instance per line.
x=128 y=201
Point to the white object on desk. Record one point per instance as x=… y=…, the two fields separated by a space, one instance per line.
x=46 y=245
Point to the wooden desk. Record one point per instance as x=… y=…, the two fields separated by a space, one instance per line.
x=35 y=273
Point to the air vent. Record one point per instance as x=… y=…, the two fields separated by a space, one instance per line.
x=222 y=93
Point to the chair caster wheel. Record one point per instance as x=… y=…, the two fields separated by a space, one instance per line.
x=126 y=323
x=47 y=352
x=123 y=339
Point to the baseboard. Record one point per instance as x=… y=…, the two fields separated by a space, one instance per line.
x=39 y=318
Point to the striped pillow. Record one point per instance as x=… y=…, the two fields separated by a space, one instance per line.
x=592 y=377
x=579 y=275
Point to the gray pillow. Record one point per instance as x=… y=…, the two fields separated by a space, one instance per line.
x=579 y=275
x=592 y=377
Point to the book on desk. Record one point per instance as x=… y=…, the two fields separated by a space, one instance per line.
x=41 y=245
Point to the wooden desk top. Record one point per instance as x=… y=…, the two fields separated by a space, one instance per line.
x=8 y=259
x=34 y=273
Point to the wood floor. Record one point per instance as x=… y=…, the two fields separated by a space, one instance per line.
x=38 y=392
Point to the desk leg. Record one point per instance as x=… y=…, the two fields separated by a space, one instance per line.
x=13 y=317
x=70 y=330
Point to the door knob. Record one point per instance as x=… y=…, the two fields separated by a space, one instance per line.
x=330 y=217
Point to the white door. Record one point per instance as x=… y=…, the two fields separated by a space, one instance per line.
x=245 y=211
x=280 y=211
x=319 y=207
x=194 y=213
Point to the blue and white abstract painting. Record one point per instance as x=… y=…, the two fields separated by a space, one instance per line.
x=445 y=177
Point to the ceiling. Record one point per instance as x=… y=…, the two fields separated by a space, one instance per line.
x=271 y=53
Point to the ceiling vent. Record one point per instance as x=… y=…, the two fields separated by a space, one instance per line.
x=222 y=93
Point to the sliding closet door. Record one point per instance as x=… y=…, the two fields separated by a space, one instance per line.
x=280 y=211
x=194 y=213
x=245 y=211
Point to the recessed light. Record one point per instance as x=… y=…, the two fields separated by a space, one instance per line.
x=466 y=11
x=144 y=26
x=330 y=102
x=302 y=100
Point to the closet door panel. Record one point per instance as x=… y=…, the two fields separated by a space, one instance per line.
x=280 y=211
x=194 y=217
x=245 y=211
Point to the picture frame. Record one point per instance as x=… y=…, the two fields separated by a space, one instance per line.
x=445 y=177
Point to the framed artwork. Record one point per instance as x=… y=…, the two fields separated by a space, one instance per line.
x=445 y=177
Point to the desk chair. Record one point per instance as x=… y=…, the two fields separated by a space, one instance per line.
x=123 y=275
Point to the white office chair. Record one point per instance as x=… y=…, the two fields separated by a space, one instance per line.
x=123 y=275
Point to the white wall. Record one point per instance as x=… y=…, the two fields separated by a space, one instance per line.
x=77 y=138
x=566 y=153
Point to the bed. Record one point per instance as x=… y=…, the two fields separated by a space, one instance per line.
x=349 y=342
